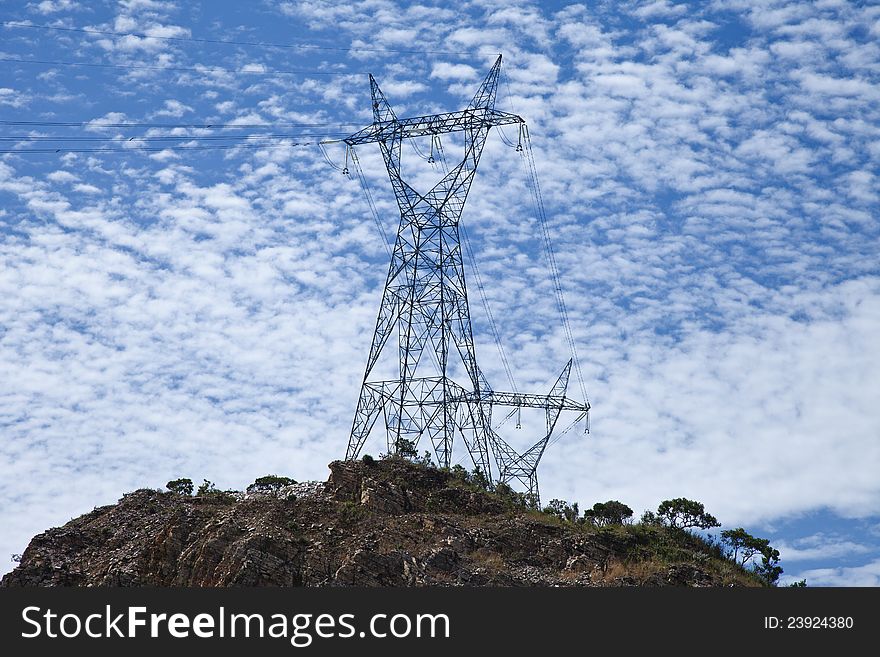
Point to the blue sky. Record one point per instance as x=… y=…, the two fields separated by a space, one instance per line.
x=711 y=178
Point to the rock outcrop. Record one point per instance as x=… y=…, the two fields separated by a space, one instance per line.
x=383 y=523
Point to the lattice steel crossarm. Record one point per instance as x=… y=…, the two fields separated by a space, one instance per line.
x=436 y=124
x=524 y=400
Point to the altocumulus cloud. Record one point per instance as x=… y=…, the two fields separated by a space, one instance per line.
x=710 y=172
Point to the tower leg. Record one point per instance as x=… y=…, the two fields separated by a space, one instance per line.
x=368 y=407
x=471 y=425
x=534 y=495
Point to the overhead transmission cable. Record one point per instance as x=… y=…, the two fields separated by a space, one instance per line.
x=558 y=436
x=37 y=143
x=153 y=149
x=125 y=139
x=368 y=196
x=541 y=215
x=97 y=123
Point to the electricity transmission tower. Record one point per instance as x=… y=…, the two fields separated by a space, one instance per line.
x=425 y=308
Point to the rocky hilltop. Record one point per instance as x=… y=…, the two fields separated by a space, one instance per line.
x=377 y=523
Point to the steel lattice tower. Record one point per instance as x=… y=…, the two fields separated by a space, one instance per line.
x=425 y=304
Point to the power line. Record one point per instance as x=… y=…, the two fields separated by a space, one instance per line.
x=371 y=203
x=541 y=215
x=178 y=69
x=154 y=149
x=260 y=44
x=96 y=123
x=49 y=138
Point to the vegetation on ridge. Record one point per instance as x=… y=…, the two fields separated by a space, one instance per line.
x=388 y=521
x=660 y=537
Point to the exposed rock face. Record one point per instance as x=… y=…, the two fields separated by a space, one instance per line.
x=389 y=523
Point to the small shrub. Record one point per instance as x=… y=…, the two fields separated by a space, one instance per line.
x=368 y=460
x=486 y=558
x=530 y=500
x=207 y=488
x=208 y=492
x=509 y=497
x=180 y=486
x=459 y=473
x=433 y=504
x=351 y=512
x=563 y=510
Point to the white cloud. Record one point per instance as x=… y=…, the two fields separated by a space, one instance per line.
x=110 y=117
x=739 y=419
x=252 y=68
x=166 y=31
x=713 y=205
x=446 y=71
x=832 y=86
x=865 y=575
x=818 y=547
x=149 y=5
x=401 y=88
x=13 y=98
x=61 y=176
x=54 y=6
x=174 y=109
x=87 y=189
x=660 y=9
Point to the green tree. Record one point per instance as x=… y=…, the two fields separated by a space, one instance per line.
x=682 y=513
x=769 y=568
x=269 y=484
x=801 y=583
x=405 y=448
x=180 y=486
x=743 y=547
x=611 y=512
x=479 y=479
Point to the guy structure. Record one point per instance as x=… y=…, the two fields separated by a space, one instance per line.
x=425 y=306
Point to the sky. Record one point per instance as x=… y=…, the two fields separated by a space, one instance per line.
x=203 y=306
